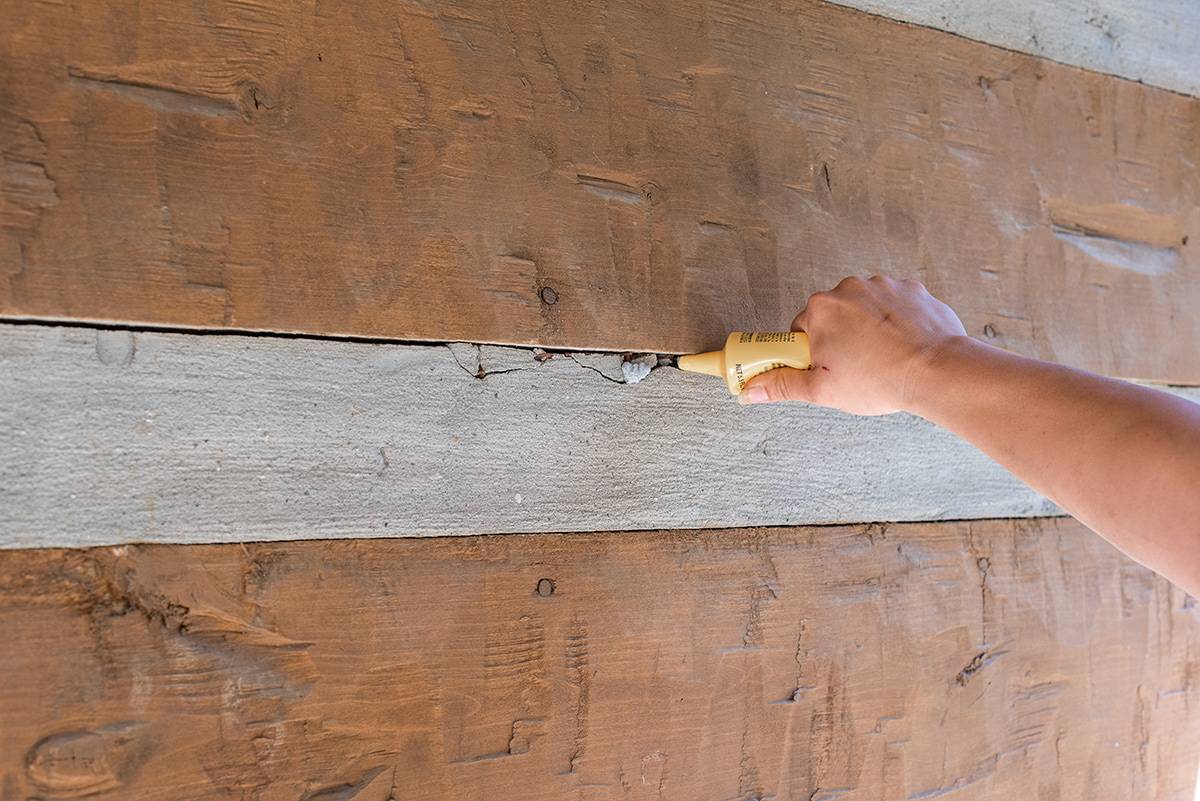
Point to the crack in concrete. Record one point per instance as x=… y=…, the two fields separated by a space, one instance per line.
x=537 y=352
x=635 y=367
x=595 y=370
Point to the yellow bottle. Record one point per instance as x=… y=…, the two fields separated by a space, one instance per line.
x=748 y=354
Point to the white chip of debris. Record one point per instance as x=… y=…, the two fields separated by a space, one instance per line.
x=636 y=368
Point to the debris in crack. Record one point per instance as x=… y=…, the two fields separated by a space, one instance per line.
x=628 y=368
x=636 y=367
x=481 y=361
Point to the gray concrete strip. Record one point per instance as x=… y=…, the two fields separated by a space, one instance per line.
x=1153 y=41
x=115 y=436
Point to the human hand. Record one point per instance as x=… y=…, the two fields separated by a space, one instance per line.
x=868 y=338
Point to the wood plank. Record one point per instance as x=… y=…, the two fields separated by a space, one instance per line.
x=116 y=436
x=993 y=660
x=1153 y=41
x=603 y=175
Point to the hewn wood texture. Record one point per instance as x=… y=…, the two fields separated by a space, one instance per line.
x=999 y=660
x=1155 y=41
x=113 y=436
x=624 y=175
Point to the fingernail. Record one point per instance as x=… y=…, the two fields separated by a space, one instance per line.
x=752 y=394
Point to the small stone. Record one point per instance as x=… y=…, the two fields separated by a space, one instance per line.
x=636 y=367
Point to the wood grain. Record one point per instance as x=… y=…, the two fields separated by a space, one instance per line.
x=598 y=175
x=115 y=436
x=994 y=660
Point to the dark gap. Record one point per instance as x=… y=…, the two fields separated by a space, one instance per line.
x=251 y=332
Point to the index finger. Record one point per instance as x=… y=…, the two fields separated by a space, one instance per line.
x=800 y=323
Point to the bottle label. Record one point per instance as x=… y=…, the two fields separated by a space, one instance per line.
x=744 y=374
x=767 y=336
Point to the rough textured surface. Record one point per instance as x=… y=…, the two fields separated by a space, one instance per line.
x=115 y=436
x=997 y=660
x=1154 y=41
x=604 y=175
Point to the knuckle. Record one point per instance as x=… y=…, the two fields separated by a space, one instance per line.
x=777 y=387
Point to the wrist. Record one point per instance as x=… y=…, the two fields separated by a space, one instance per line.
x=926 y=376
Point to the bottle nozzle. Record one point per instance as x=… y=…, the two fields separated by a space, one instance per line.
x=711 y=363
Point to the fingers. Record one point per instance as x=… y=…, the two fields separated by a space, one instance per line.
x=783 y=384
x=804 y=320
x=852 y=286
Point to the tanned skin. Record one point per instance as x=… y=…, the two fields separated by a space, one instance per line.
x=1123 y=459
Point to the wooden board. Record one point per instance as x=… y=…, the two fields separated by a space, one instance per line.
x=995 y=660
x=1154 y=41
x=603 y=175
x=112 y=436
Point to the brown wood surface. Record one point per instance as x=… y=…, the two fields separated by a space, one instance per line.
x=621 y=174
x=1006 y=660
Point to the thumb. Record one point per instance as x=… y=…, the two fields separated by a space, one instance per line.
x=781 y=384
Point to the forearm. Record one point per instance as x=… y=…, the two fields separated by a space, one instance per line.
x=1123 y=459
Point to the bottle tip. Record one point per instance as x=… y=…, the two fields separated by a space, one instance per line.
x=711 y=363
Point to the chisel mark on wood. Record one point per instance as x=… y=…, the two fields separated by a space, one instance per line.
x=982 y=770
x=364 y=788
x=1131 y=257
x=26 y=188
x=977 y=663
x=474 y=109
x=1113 y=221
x=520 y=740
x=89 y=761
x=162 y=96
x=611 y=187
x=713 y=228
x=27 y=191
x=524 y=731
x=1141 y=722
x=760 y=596
x=580 y=678
x=828 y=793
x=569 y=97
x=1122 y=236
x=1040 y=691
